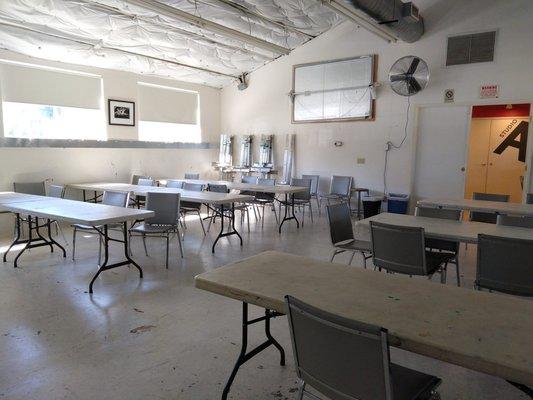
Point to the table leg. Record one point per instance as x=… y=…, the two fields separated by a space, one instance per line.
x=292 y=216
x=244 y=356
x=32 y=242
x=233 y=231
x=106 y=240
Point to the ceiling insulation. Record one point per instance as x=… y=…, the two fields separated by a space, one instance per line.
x=133 y=35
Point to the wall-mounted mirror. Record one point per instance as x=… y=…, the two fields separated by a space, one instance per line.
x=225 y=155
x=246 y=151
x=265 y=150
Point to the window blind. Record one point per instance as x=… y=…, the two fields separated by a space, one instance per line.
x=165 y=104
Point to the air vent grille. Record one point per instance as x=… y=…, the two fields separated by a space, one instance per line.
x=468 y=49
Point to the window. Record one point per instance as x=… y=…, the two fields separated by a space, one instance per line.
x=339 y=90
x=48 y=103
x=35 y=121
x=168 y=114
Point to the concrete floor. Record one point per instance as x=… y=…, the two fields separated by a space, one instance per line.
x=160 y=338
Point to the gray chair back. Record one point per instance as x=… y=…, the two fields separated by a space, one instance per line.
x=529 y=198
x=194 y=187
x=314 y=183
x=37 y=188
x=249 y=179
x=454 y=215
x=340 y=223
x=342 y=358
x=56 y=191
x=521 y=222
x=305 y=183
x=398 y=248
x=505 y=265
x=117 y=199
x=192 y=176
x=173 y=183
x=135 y=179
x=166 y=207
x=341 y=185
x=489 y=218
x=145 y=182
x=266 y=182
x=217 y=188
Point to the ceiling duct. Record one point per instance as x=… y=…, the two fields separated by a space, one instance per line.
x=400 y=18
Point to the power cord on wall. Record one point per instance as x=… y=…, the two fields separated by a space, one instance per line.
x=390 y=145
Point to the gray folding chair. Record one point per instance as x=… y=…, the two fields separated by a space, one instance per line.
x=192 y=176
x=521 y=222
x=440 y=244
x=263 y=199
x=135 y=178
x=402 y=249
x=315 y=179
x=505 y=265
x=340 y=189
x=529 y=198
x=346 y=359
x=36 y=188
x=142 y=181
x=243 y=208
x=57 y=191
x=109 y=198
x=165 y=222
x=303 y=199
x=341 y=232
x=188 y=207
x=487 y=217
x=173 y=183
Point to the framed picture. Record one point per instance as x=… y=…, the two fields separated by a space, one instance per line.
x=121 y=112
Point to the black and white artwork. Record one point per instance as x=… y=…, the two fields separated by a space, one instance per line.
x=121 y=112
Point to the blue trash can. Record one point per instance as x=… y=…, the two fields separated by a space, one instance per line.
x=397 y=203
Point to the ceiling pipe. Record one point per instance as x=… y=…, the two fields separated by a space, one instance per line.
x=246 y=10
x=360 y=18
x=103 y=46
x=97 y=4
x=402 y=19
x=173 y=12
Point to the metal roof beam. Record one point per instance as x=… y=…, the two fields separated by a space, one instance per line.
x=173 y=12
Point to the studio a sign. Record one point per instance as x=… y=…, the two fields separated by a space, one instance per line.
x=514 y=135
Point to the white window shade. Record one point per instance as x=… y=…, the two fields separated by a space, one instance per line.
x=164 y=104
x=26 y=84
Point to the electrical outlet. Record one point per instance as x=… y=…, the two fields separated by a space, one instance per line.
x=361 y=160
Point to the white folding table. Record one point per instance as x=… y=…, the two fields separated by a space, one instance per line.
x=285 y=190
x=436 y=228
x=482 y=331
x=223 y=200
x=495 y=207
x=98 y=216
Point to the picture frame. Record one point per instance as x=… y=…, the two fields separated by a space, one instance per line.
x=121 y=112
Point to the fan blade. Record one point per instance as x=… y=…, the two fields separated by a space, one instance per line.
x=414 y=86
x=413 y=66
x=397 y=77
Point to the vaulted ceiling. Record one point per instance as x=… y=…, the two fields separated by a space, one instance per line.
x=202 y=41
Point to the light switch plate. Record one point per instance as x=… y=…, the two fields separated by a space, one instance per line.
x=361 y=160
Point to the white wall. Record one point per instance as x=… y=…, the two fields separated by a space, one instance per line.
x=65 y=165
x=265 y=107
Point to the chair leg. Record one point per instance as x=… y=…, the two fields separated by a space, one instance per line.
x=457 y=269
x=129 y=244
x=275 y=214
x=364 y=259
x=144 y=244
x=179 y=242
x=166 y=258
x=311 y=212
x=263 y=217
x=99 y=249
x=443 y=273
x=248 y=219
x=303 y=215
x=74 y=244
x=351 y=258
x=201 y=222
x=301 y=389
x=335 y=252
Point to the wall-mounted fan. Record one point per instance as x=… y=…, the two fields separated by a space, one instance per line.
x=409 y=75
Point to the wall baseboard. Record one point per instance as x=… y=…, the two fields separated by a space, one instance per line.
x=119 y=144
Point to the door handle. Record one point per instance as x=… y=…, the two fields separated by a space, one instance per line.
x=463 y=169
